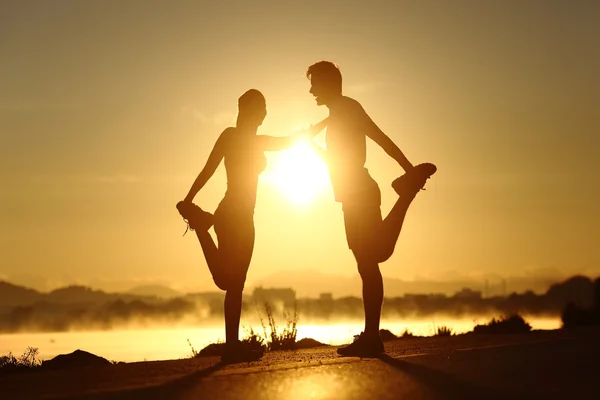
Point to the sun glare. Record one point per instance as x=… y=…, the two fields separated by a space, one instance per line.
x=299 y=173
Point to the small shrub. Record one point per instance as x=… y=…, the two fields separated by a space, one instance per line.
x=194 y=352
x=443 y=331
x=254 y=341
x=573 y=316
x=407 y=334
x=286 y=339
x=506 y=324
x=8 y=362
x=273 y=339
x=276 y=339
x=27 y=361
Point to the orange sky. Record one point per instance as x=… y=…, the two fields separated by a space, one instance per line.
x=109 y=109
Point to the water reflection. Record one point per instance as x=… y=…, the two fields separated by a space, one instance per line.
x=166 y=344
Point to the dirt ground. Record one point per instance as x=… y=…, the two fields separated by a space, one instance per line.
x=168 y=379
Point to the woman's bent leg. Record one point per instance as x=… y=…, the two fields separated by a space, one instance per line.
x=213 y=259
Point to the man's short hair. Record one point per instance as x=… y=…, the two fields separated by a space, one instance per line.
x=328 y=71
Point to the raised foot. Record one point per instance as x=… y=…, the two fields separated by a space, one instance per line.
x=414 y=180
x=196 y=218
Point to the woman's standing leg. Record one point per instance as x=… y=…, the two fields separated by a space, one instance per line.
x=236 y=245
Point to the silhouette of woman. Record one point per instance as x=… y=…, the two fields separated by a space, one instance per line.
x=243 y=152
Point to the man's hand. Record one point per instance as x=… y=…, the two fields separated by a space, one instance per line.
x=310 y=132
x=303 y=135
x=407 y=166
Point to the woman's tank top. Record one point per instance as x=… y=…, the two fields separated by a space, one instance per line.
x=244 y=162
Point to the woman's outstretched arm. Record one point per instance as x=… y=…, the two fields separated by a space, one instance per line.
x=274 y=143
x=214 y=159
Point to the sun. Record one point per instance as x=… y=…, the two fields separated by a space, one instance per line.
x=299 y=173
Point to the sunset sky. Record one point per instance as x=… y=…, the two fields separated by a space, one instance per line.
x=109 y=109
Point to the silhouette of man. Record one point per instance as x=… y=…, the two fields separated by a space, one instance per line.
x=371 y=238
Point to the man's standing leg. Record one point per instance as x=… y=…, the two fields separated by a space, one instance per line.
x=372 y=292
x=362 y=221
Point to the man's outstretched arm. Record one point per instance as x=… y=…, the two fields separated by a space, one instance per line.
x=379 y=137
x=277 y=143
x=315 y=129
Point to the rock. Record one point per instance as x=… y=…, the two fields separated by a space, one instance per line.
x=212 y=350
x=76 y=359
x=386 y=335
x=308 y=343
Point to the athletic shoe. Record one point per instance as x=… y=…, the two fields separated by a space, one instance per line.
x=196 y=218
x=238 y=352
x=365 y=347
x=414 y=180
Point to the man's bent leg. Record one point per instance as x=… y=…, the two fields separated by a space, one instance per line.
x=407 y=187
x=391 y=227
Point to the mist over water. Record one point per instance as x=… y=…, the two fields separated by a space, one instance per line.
x=125 y=327
x=167 y=343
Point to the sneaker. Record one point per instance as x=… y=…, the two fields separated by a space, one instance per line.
x=238 y=352
x=196 y=218
x=414 y=180
x=364 y=347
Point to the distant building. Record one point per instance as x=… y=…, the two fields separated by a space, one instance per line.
x=206 y=296
x=326 y=297
x=468 y=294
x=424 y=297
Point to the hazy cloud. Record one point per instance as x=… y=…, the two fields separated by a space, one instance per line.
x=35 y=105
x=363 y=87
x=118 y=178
x=220 y=118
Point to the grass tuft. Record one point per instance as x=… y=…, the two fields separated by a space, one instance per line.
x=27 y=361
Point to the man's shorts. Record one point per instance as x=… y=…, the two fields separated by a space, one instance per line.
x=362 y=219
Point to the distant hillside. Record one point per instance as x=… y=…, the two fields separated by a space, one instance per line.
x=81 y=308
x=159 y=291
x=78 y=295
x=306 y=283
x=13 y=295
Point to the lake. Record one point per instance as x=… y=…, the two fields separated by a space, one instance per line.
x=163 y=343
